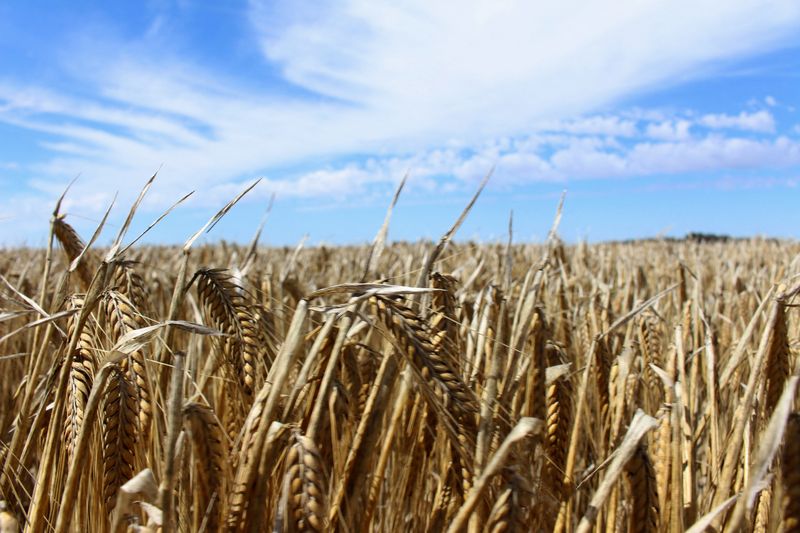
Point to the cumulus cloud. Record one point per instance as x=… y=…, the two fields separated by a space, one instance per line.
x=562 y=158
x=614 y=126
x=713 y=153
x=670 y=130
x=759 y=121
x=444 y=89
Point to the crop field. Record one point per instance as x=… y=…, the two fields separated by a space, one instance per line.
x=640 y=386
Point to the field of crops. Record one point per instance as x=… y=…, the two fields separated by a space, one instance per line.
x=645 y=386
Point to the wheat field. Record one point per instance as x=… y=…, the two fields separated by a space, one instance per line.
x=642 y=386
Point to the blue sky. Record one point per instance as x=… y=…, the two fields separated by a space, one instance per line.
x=657 y=117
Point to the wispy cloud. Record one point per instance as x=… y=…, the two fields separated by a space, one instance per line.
x=445 y=63
x=440 y=88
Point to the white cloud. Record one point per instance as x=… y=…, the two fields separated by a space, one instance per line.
x=759 y=121
x=442 y=88
x=713 y=153
x=646 y=158
x=564 y=158
x=670 y=130
x=593 y=125
x=498 y=65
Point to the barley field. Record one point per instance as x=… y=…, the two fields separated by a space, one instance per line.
x=450 y=386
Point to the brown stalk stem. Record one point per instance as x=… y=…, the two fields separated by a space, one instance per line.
x=66 y=507
x=166 y=495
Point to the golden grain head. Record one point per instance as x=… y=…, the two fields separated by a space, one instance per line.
x=549 y=387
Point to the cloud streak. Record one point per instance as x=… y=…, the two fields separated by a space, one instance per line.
x=440 y=88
